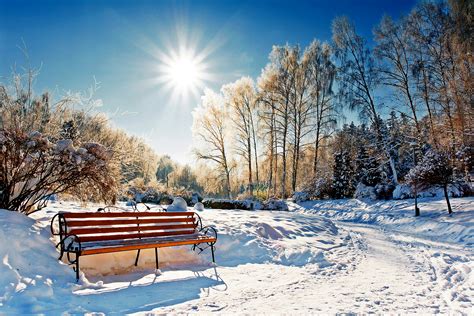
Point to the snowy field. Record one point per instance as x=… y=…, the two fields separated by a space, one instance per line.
x=320 y=257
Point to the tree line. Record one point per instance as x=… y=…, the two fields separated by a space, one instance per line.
x=412 y=90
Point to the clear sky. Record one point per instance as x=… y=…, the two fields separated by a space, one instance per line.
x=124 y=44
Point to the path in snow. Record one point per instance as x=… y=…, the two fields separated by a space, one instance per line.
x=381 y=277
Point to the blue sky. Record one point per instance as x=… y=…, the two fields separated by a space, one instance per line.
x=116 y=43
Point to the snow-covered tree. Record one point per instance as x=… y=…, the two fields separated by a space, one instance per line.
x=434 y=169
x=342 y=175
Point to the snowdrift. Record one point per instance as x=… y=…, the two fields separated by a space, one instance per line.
x=275 y=237
x=434 y=222
x=32 y=280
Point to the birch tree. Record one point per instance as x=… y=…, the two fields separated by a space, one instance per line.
x=210 y=124
x=240 y=98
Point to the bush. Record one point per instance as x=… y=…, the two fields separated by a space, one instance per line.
x=316 y=189
x=157 y=193
x=32 y=168
x=228 y=204
x=275 y=205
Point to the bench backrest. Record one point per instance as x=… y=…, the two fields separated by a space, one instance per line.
x=102 y=226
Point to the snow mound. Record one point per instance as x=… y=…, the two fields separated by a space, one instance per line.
x=199 y=207
x=178 y=205
x=272 y=237
x=31 y=278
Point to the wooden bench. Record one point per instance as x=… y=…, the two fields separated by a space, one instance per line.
x=91 y=233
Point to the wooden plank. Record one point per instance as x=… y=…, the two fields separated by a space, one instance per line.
x=135 y=228
x=94 y=251
x=125 y=214
x=135 y=236
x=110 y=222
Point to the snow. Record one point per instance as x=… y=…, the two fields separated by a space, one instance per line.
x=199 y=207
x=334 y=256
x=178 y=205
x=404 y=191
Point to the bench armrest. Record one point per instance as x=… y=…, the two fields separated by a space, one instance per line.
x=209 y=231
x=71 y=243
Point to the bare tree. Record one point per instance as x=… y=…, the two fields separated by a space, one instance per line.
x=210 y=127
x=240 y=97
x=283 y=65
x=322 y=75
x=392 y=48
x=267 y=115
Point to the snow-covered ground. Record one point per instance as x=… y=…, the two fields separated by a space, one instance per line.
x=320 y=257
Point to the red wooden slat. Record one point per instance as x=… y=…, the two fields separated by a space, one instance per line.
x=110 y=222
x=135 y=236
x=102 y=230
x=125 y=214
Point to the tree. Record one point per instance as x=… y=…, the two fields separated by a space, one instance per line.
x=393 y=48
x=210 y=124
x=164 y=169
x=342 y=175
x=283 y=67
x=358 y=78
x=184 y=177
x=434 y=169
x=240 y=97
x=322 y=75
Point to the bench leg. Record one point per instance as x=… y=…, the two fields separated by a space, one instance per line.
x=212 y=251
x=77 y=268
x=136 y=259
x=156 y=258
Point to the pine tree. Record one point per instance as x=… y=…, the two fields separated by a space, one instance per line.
x=343 y=175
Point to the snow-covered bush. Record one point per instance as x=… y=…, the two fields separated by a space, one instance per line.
x=33 y=168
x=316 y=189
x=274 y=205
x=178 y=205
x=365 y=192
x=384 y=191
x=300 y=196
x=157 y=193
x=228 y=204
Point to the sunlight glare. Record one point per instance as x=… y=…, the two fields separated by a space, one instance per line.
x=184 y=72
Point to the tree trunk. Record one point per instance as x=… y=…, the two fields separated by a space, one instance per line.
x=316 y=149
x=249 y=161
x=255 y=150
x=270 y=169
x=446 y=196
x=283 y=174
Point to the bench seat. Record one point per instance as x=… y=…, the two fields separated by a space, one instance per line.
x=94 y=247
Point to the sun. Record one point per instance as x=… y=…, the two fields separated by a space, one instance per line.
x=183 y=72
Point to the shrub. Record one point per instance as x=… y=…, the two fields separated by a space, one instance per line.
x=228 y=204
x=317 y=189
x=33 y=168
